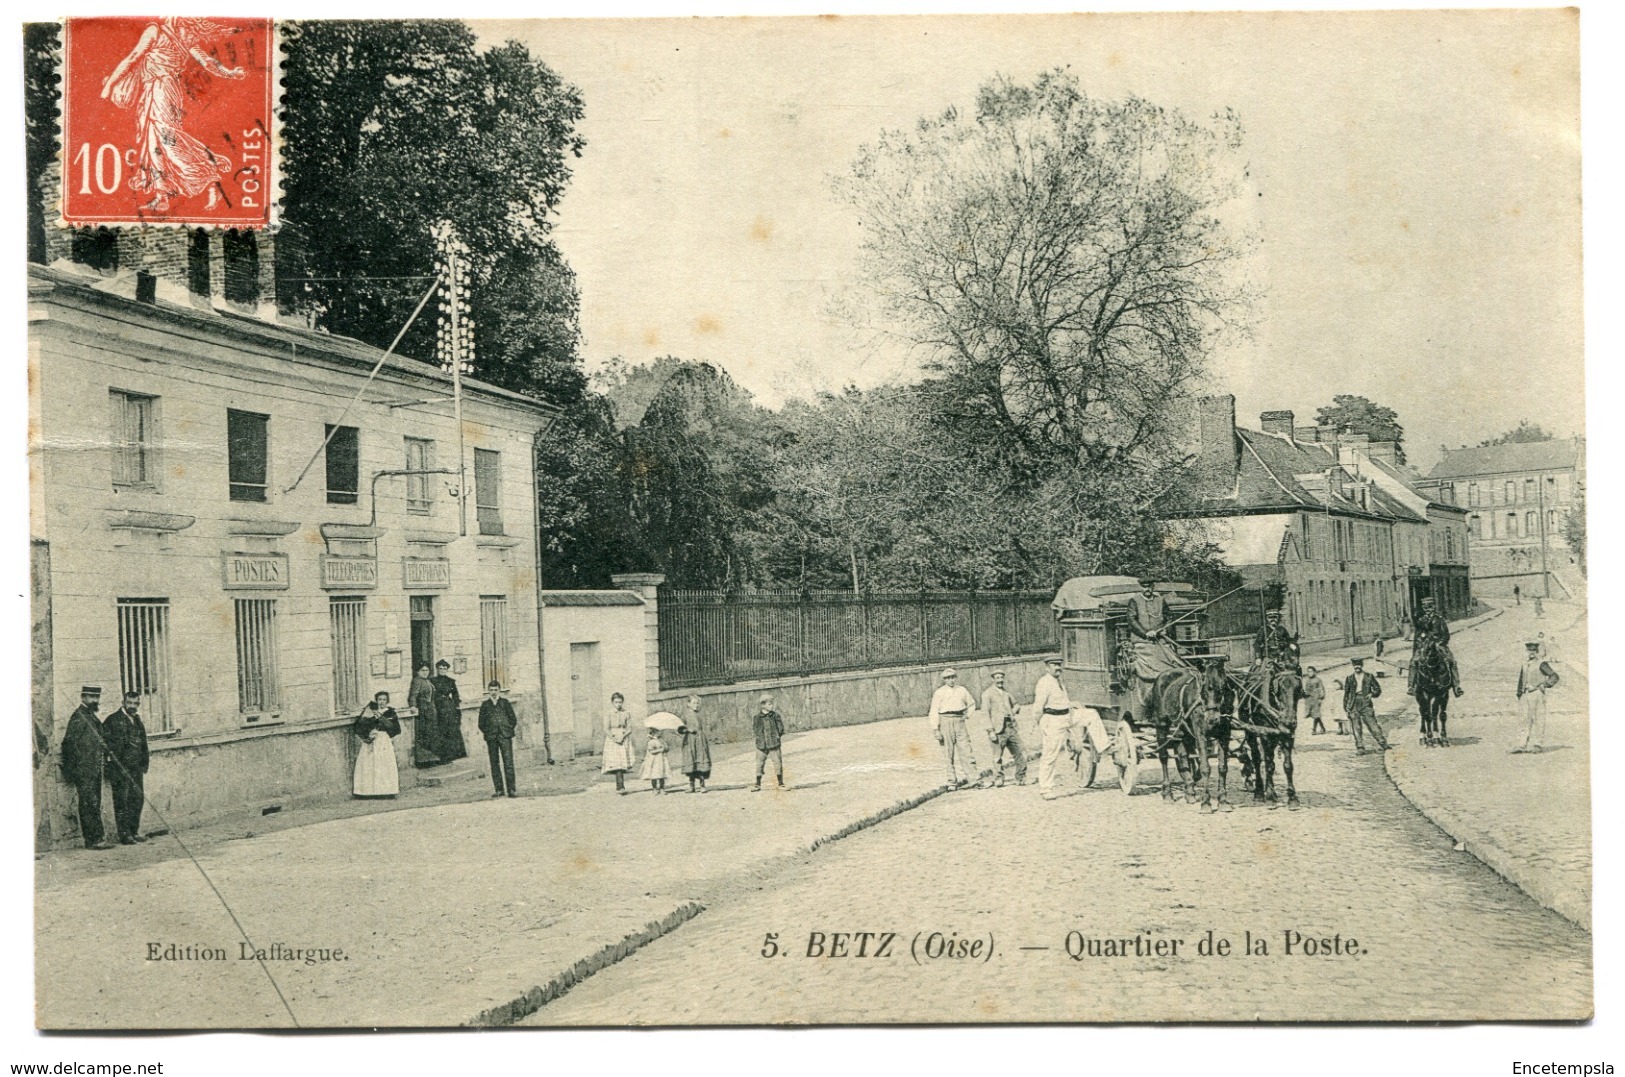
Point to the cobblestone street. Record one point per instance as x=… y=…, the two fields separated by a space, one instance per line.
x=1439 y=936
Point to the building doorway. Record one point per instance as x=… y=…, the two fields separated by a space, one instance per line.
x=422 y=632
x=586 y=706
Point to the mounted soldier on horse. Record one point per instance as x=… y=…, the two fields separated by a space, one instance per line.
x=1434 y=675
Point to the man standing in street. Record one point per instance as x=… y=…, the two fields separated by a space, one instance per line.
x=127 y=759
x=1060 y=727
x=1535 y=679
x=768 y=727
x=1314 y=694
x=950 y=705
x=498 y=724
x=84 y=756
x=1358 y=691
x=1000 y=710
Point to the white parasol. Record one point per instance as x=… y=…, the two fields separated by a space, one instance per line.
x=662 y=720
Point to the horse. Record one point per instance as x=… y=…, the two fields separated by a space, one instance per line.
x=1175 y=708
x=1269 y=714
x=1431 y=679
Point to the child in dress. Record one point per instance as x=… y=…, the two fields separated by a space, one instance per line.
x=655 y=767
x=618 y=742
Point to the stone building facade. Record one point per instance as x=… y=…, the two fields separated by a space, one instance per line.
x=1516 y=498
x=1317 y=515
x=220 y=528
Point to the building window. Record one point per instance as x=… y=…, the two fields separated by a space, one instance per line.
x=1447 y=493
x=1472 y=494
x=488 y=490
x=494 y=638
x=197 y=262
x=1475 y=526
x=1531 y=524
x=1551 y=520
x=348 y=617
x=419 y=488
x=258 y=686
x=247 y=444
x=143 y=658
x=1529 y=489
x=1512 y=525
x=1511 y=490
x=343 y=465
x=422 y=616
x=134 y=439
x=242 y=257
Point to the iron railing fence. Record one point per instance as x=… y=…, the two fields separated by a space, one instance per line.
x=717 y=637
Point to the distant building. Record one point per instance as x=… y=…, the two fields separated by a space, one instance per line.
x=1517 y=498
x=1333 y=522
x=217 y=528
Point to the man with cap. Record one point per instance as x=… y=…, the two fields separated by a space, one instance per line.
x=1002 y=727
x=1274 y=645
x=1535 y=678
x=127 y=760
x=1154 y=654
x=498 y=724
x=1432 y=630
x=84 y=757
x=1061 y=726
x=950 y=705
x=1359 y=689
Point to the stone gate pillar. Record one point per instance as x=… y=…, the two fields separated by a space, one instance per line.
x=646 y=585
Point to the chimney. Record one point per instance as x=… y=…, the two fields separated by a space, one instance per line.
x=1276 y=422
x=1328 y=436
x=1306 y=435
x=1217 y=456
x=1386 y=452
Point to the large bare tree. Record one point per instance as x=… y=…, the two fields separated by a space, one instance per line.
x=1067 y=265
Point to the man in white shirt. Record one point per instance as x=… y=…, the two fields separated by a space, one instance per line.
x=1062 y=725
x=950 y=706
x=1535 y=679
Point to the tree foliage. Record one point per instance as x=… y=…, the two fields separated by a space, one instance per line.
x=1350 y=414
x=1523 y=433
x=1574 y=525
x=41 y=41
x=1062 y=261
x=395 y=125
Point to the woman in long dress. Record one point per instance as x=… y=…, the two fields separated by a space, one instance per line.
x=618 y=754
x=376 y=772
x=151 y=80
x=420 y=697
x=696 y=748
x=448 y=703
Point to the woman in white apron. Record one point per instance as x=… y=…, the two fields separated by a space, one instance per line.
x=376 y=772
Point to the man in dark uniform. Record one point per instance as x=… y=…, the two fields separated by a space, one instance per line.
x=1274 y=644
x=1432 y=630
x=498 y=724
x=83 y=758
x=1154 y=655
x=127 y=758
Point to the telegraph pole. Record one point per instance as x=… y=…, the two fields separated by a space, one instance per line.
x=456 y=344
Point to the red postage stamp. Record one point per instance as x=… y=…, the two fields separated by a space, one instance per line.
x=168 y=121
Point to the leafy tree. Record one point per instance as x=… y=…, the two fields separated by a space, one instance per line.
x=1061 y=261
x=40 y=119
x=1351 y=414
x=394 y=125
x=1574 y=525
x=1524 y=432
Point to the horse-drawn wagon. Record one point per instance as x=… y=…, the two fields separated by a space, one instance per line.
x=1098 y=655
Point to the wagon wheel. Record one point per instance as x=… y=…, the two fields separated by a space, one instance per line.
x=1126 y=752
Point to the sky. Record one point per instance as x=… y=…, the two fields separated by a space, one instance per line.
x=1415 y=190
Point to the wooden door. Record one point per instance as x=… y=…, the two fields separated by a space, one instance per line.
x=586 y=698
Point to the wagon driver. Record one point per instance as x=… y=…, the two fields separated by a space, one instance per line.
x=1154 y=654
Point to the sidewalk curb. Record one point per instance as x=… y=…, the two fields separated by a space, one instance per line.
x=1493 y=856
x=518 y=1009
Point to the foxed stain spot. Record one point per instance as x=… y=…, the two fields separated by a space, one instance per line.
x=1404 y=224
x=988 y=1006
x=178 y=471
x=1265 y=848
x=761 y=229
x=651 y=339
x=707 y=325
x=912 y=750
x=725 y=133
x=314 y=537
x=1114 y=60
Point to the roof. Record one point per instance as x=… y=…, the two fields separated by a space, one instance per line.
x=1276 y=474
x=1077 y=593
x=1553 y=455
x=590 y=598
x=296 y=341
